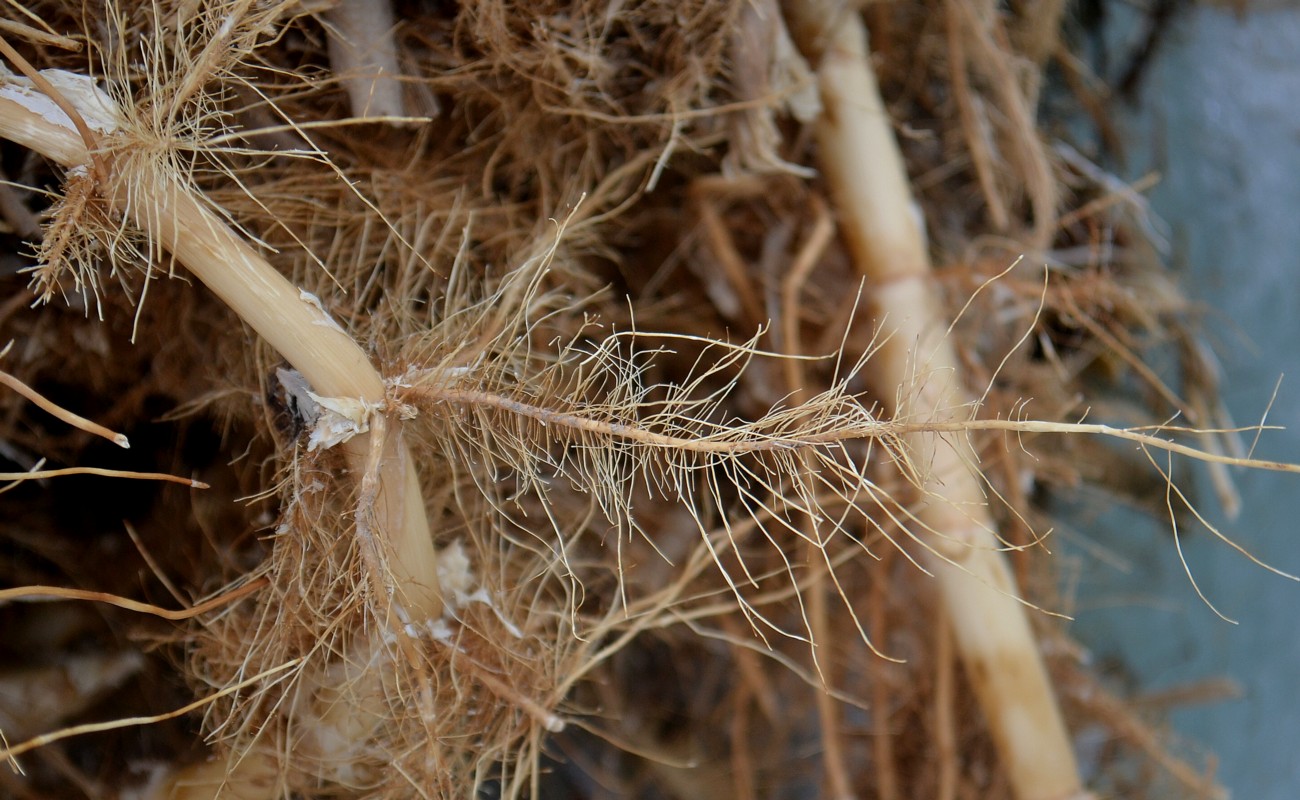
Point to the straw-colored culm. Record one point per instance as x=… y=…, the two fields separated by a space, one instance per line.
x=587 y=399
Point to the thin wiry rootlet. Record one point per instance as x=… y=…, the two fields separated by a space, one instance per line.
x=636 y=509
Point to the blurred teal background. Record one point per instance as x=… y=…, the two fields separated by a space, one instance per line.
x=1217 y=113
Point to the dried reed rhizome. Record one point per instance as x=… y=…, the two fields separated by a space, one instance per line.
x=599 y=417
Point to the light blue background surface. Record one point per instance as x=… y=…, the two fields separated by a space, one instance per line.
x=1219 y=117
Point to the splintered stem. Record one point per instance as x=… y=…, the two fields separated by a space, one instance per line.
x=177 y=220
x=918 y=368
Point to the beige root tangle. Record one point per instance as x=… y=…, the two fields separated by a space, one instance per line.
x=861 y=161
x=599 y=492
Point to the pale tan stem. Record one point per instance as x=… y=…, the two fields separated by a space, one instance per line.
x=945 y=720
x=834 y=759
x=176 y=220
x=257 y=778
x=882 y=693
x=364 y=56
x=916 y=372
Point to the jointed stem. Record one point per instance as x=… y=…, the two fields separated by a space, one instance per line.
x=176 y=220
x=863 y=166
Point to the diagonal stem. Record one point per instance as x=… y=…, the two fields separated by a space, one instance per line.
x=177 y=220
x=917 y=372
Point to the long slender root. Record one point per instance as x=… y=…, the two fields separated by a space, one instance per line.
x=856 y=422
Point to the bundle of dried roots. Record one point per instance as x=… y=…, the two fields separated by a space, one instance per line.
x=582 y=408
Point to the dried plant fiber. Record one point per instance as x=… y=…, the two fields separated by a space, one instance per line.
x=566 y=399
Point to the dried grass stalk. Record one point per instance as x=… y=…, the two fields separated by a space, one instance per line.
x=916 y=369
